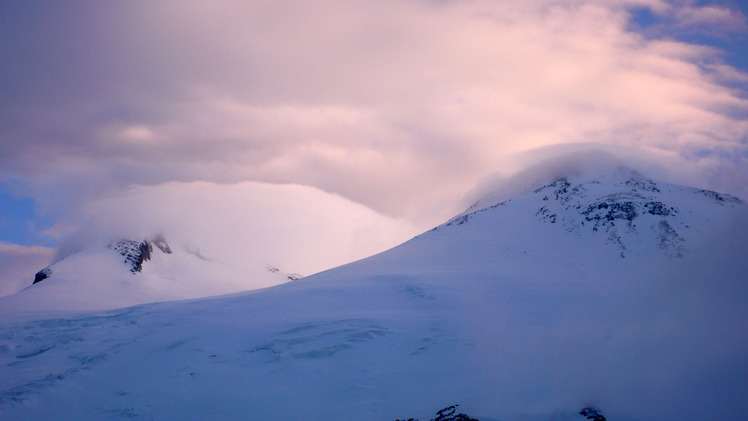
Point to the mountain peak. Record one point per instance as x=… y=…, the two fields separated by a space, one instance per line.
x=622 y=207
x=135 y=271
x=134 y=252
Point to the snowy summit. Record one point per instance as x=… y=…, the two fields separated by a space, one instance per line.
x=127 y=272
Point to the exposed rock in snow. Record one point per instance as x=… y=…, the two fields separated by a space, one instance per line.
x=448 y=414
x=592 y=414
x=134 y=252
x=289 y=276
x=42 y=275
x=720 y=198
x=138 y=252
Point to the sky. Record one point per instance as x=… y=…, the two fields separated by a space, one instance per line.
x=405 y=108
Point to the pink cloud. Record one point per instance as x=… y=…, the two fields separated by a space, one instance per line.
x=401 y=106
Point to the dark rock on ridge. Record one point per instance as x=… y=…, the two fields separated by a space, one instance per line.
x=448 y=414
x=291 y=277
x=720 y=198
x=42 y=275
x=592 y=414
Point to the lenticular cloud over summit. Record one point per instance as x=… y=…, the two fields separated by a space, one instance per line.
x=298 y=228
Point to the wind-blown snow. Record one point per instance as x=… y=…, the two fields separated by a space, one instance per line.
x=509 y=314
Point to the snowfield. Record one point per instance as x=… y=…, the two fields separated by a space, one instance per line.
x=616 y=293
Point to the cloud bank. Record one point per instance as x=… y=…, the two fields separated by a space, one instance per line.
x=540 y=165
x=402 y=107
x=396 y=105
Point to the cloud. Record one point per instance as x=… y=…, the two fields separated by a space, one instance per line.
x=18 y=264
x=712 y=18
x=400 y=106
x=531 y=168
x=246 y=225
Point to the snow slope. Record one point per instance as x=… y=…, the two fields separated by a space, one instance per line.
x=103 y=277
x=528 y=309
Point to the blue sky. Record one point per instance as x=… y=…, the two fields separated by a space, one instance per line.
x=734 y=45
x=19 y=221
x=17 y=217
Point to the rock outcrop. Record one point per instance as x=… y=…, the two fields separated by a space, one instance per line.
x=138 y=252
x=134 y=252
x=42 y=275
x=447 y=414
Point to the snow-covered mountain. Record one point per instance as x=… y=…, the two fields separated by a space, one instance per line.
x=127 y=272
x=623 y=210
x=608 y=297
